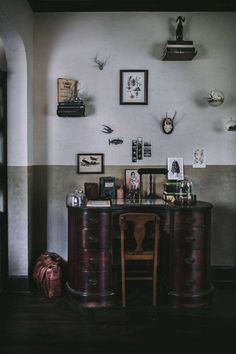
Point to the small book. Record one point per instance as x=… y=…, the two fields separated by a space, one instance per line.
x=98 y=203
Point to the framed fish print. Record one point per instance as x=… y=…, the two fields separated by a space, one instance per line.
x=90 y=163
x=133 y=86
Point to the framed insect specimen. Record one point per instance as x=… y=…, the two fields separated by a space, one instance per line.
x=133 y=86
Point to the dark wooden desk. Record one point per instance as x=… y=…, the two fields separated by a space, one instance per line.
x=93 y=251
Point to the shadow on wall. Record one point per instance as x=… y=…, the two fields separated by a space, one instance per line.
x=223 y=240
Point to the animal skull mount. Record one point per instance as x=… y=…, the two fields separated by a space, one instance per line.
x=168 y=124
x=100 y=62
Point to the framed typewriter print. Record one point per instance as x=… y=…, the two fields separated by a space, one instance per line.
x=90 y=163
x=133 y=86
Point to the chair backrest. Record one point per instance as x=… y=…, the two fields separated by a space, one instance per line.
x=140 y=220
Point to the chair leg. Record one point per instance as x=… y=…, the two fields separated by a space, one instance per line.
x=154 y=291
x=123 y=271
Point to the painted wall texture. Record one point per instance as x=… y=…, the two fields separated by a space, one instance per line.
x=64 y=45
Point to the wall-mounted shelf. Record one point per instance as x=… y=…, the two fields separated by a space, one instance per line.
x=179 y=50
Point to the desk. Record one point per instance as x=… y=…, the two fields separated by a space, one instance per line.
x=93 y=251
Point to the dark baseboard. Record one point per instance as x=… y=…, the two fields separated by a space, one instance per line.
x=223 y=274
x=17 y=284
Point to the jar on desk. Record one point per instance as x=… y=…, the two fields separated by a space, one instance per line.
x=77 y=197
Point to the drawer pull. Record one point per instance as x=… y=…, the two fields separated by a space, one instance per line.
x=190 y=283
x=92 y=282
x=189 y=260
x=93 y=260
x=93 y=238
x=93 y=220
x=190 y=239
x=190 y=220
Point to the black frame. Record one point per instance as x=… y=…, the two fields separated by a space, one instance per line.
x=145 y=83
x=89 y=167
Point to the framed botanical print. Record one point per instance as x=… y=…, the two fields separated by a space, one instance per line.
x=133 y=86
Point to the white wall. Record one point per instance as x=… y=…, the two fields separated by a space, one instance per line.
x=65 y=44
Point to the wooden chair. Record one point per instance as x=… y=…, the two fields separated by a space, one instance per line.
x=139 y=234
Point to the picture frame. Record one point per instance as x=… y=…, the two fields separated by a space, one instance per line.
x=199 y=157
x=90 y=163
x=132 y=180
x=134 y=87
x=175 y=168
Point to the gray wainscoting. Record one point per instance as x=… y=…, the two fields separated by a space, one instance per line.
x=215 y=184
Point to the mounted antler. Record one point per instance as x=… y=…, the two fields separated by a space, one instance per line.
x=174 y=115
x=100 y=62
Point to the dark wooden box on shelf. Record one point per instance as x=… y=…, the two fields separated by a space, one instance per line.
x=184 y=269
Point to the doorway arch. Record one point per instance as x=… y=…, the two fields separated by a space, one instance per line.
x=17 y=147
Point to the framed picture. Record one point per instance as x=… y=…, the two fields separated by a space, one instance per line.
x=132 y=180
x=199 y=157
x=175 y=168
x=90 y=163
x=133 y=86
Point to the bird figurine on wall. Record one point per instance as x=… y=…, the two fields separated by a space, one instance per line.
x=107 y=129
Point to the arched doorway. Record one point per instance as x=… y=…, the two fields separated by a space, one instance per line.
x=15 y=248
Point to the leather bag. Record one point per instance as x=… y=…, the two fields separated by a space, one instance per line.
x=48 y=274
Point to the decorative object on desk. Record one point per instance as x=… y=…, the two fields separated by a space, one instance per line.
x=231 y=125
x=184 y=192
x=199 y=157
x=179 y=49
x=132 y=184
x=90 y=163
x=120 y=192
x=152 y=189
x=175 y=168
x=100 y=61
x=91 y=190
x=107 y=187
x=134 y=87
x=215 y=98
x=77 y=197
x=107 y=129
x=69 y=104
x=115 y=141
x=168 y=124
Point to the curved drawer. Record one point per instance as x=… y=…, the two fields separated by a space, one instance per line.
x=194 y=282
x=95 y=237
x=94 y=261
x=91 y=283
x=189 y=261
x=190 y=238
x=193 y=218
x=93 y=218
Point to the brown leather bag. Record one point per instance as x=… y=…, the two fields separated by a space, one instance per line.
x=48 y=274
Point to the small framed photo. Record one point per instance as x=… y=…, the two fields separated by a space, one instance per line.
x=132 y=180
x=133 y=86
x=90 y=163
x=199 y=157
x=175 y=168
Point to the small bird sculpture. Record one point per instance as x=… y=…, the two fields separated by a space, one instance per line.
x=107 y=129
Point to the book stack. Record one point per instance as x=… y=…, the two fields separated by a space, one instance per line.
x=179 y=50
x=71 y=109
